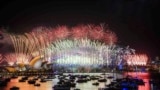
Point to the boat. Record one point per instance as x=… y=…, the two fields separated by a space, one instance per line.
x=14 y=88
x=42 y=80
x=61 y=87
x=36 y=84
x=81 y=80
x=31 y=81
x=14 y=76
x=102 y=80
x=95 y=83
x=21 y=80
x=24 y=78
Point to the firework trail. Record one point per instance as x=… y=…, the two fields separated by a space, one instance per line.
x=1 y=58
x=10 y=58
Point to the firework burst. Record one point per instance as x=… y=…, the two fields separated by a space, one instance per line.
x=96 y=32
x=81 y=51
x=61 y=32
x=138 y=59
x=79 y=32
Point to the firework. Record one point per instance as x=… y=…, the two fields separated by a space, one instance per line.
x=79 y=45
x=110 y=38
x=1 y=58
x=138 y=59
x=27 y=46
x=80 y=32
x=61 y=32
x=81 y=51
x=10 y=58
x=96 y=32
x=22 y=47
x=85 y=40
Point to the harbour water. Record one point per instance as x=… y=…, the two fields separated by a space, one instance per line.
x=82 y=86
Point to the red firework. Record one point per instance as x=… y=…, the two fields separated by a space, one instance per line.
x=96 y=32
x=61 y=32
x=110 y=37
x=50 y=36
x=79 y=32
x=93 y=32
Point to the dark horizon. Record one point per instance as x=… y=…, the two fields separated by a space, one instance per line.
x=134 y=21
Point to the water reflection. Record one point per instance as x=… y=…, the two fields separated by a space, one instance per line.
x=83 y=86
x=25 y=86
x=143 y=75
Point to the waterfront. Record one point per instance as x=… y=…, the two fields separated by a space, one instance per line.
x=82 y=86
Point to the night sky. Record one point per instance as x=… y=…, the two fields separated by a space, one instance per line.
x=134 y=21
